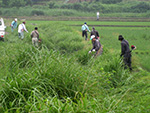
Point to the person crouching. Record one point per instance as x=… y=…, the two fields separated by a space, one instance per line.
x=35 y=37
x=96 y=46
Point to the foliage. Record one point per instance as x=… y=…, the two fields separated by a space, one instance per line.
x=111 y=1
x=16 y=3
x=36 y=12
x=141 y=7
x=103 y=6
x=52 y=5
x=61 y=41
x=47 y=80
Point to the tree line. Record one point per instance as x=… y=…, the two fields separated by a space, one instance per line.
x=104 y=6
x=138 y=7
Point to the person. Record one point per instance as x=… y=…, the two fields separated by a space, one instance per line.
x=96 y=46
x=125 y=52
x=13 y=25
x=21 y=30
x=94 y=32
x=84 y=29
x=97 y=15
x=35 y=37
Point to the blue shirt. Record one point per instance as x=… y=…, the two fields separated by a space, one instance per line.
x=84 y=27
x=14 y=24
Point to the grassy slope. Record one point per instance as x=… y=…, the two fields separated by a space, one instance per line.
x=131 y=96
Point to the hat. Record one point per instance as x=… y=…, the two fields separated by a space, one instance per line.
x=93 y=36
x=24 y=22
x=120 y=37
x=84 y=22
x=15 y=19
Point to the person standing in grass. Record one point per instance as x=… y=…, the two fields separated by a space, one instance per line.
x=125 y=52
x=13 y=25
x=21 y=30
x=84 y=29
x=97 y=15
x=96 y=46
x=35 y=37
x=94 y=32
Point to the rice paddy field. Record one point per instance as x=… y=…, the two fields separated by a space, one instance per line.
x=61 y=77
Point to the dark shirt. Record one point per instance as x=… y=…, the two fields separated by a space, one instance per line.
x=95 y=33
x=96 y=45
x=124 y=48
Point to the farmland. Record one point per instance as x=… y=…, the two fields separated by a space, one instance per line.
x=60 y=75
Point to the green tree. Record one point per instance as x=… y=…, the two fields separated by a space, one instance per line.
x=51 y=5
x=29 y=2
x=17 y=3
x=111 y=1
x=141 y=7
x=5 y=3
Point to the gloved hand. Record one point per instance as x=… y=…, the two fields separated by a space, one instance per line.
x=93 y=50
x=89 y=52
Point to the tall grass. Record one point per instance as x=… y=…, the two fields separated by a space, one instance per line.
x=61 y=76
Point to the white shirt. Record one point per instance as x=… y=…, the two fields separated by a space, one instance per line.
x=97 y=13
x=21 y=28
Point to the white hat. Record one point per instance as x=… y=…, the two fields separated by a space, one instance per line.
x=15 y=19
x=93 y=36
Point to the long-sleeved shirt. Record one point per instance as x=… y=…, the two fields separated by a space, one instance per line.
x=14 y=24
x=85 y=27
x=35 y=34
x=95 y=33
x=124 y=48
x=96 y=45
x=22 y=28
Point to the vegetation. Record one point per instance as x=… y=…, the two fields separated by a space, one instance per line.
x=60 y=76
x=60 y=8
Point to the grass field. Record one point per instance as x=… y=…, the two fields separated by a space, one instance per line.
x=60 y=76
x=138 y=36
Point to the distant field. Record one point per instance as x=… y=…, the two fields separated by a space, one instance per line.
x=90 y=23
x=138 y=36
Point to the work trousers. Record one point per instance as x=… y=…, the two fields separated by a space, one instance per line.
x=127 y=61
x=21 y=35
x=99 y=52
x=97 y=17
x=35 y=41
x=84 y=33
x=12 y=29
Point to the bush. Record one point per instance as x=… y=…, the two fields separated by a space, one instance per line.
x=67 y=13
x=77 y=6
x=7 y=12
x=66 y=6
x=111 y=1
x=51 y=5
x=1 y=13
x=36 y=12
x=140 y=8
